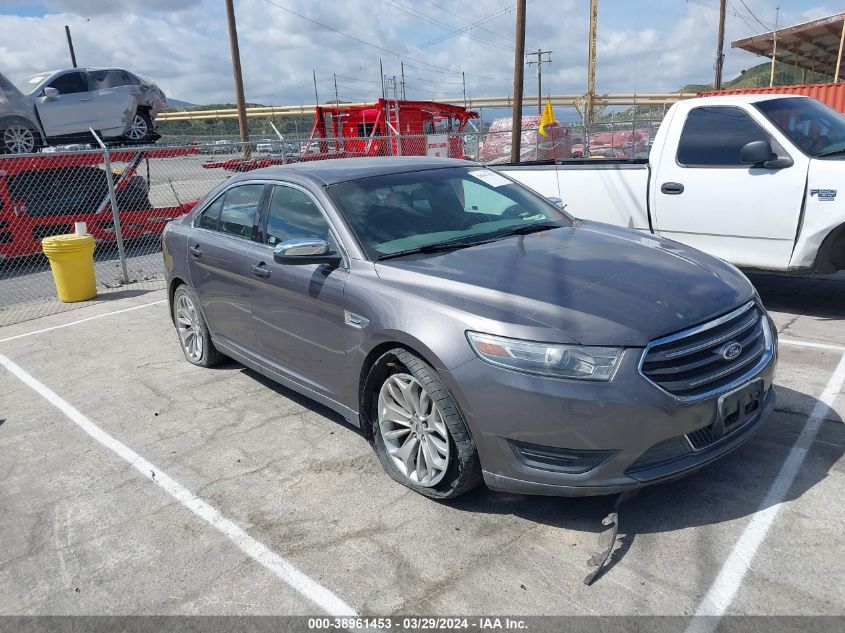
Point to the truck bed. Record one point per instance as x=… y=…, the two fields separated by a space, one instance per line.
x=607 y=190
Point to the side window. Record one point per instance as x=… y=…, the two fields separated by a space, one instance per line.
x=714 y=136
x=70 y=83
x=294 y=215
x=104 y=79
x=237 y=214
x=209 y=217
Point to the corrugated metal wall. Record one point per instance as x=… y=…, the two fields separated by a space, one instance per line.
x=830 y=94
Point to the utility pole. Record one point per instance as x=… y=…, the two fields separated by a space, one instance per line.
x=70 y=46
x=539 y=63
x=774 y=48
x=464 y=82
x=518 y=68
x=239 y=81
x=591 y=63
x=336 y=98
x=381 y=70
x=316 y=98
x=402 y=67
x=720 y=46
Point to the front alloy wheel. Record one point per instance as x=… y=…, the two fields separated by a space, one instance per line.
x=19 y=139
x=413 y=430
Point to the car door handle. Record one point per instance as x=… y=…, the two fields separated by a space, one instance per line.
x=196 y=251
x=672 y=188
x=261 y=270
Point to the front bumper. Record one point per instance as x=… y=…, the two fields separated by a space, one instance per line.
x=629 y=418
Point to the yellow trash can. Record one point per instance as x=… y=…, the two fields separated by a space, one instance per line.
x=72 y=262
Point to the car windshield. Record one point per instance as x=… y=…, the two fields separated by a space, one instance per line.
x=396 y=213
x=29 y=84
x=811 y=125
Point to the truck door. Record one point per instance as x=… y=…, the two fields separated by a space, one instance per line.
x=71 y=111
x=704 y=196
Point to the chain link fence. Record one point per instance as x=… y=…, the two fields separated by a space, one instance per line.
x=125 y=196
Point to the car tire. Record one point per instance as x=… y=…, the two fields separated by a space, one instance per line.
x=140 y=129
x=445 y=438
x=18 y=138
x=192 y=330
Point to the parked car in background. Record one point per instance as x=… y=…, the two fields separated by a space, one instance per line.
x=471 y=328
x=59 y=107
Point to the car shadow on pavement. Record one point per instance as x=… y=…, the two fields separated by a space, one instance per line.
x=734 y=487
x=820 y=296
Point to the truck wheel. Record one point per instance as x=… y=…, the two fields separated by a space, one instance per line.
x=18 y=138
x=141 y=127
x=419 y=434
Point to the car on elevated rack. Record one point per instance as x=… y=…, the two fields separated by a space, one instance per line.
x=62 y=107
x=471 y=328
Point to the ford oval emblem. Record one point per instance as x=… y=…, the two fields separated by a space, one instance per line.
x=731 y=350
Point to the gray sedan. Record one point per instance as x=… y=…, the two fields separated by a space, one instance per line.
x=471 y=329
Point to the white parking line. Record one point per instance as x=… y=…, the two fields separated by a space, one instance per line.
x=91 y=318
x=723 y=590
x=278 y=566
x=789 y=341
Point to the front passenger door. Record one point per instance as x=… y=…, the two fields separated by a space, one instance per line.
x=298 y=308
x=72 y=111
x=217 y=249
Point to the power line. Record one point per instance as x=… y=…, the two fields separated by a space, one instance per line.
x=422 y=16
x=510 y=40
x=751 y=13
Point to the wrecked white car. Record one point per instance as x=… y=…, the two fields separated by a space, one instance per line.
x=59 y=107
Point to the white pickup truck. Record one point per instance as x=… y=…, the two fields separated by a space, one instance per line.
x=752 y=179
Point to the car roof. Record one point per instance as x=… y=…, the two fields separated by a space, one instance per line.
x=333 y=171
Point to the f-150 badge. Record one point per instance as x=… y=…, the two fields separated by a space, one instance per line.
x=825 y=195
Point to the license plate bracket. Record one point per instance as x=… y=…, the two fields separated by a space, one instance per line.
x=737 y=407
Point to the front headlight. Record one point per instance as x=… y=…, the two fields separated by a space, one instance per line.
x=547 y=359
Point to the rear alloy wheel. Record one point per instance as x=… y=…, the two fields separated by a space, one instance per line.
x=419 y=434
x=140 y=127
x=19 y=139
x=191 y=328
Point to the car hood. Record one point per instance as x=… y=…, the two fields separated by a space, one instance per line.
x=595 y=283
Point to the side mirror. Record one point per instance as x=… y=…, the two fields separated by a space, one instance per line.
x=49 y=93
x=305 y=251
x=760 y=154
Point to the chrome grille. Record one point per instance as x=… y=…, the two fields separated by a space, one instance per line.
x=691 y=364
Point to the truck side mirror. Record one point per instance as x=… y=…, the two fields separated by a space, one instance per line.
x=760 y=154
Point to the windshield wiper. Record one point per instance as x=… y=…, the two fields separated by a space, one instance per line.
x=832 y=152
x=526 y=229
x=437 y=247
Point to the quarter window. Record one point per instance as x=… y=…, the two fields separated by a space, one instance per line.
x=294 y=215
x=714 y=136
x=209 y=217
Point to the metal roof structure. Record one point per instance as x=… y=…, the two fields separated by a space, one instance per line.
x=815 y=46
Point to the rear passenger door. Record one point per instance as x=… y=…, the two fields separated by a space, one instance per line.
x=217 y=250
x=298 y=309
x=114 y=101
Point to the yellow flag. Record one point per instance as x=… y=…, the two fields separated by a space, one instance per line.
x=548 y=117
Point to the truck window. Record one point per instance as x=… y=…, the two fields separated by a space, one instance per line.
x=715 y=135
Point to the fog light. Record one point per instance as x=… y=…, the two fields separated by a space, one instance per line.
x=559 y=460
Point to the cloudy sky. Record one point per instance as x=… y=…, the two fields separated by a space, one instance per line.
x=644 y=45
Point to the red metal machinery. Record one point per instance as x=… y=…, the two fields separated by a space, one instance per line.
x=44 y=195
x=384 y=128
